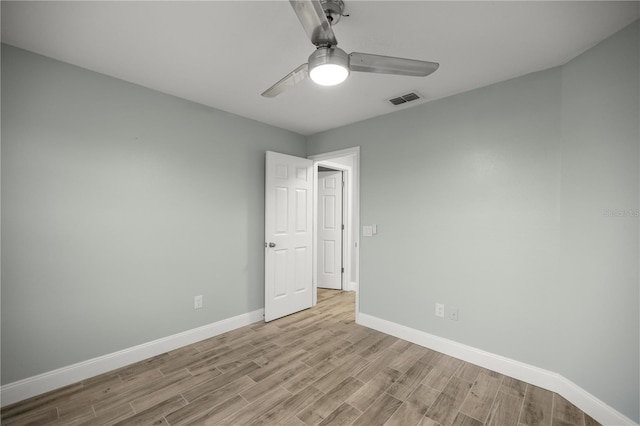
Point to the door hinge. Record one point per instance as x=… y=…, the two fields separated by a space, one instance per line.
x=343 y=270
x=343 y=227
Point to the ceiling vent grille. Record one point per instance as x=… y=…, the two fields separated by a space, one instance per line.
x=403 y=99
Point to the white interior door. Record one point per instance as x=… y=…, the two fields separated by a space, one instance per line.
x=329 y=248
x=288 y=235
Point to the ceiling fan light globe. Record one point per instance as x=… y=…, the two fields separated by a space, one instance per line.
x=329 y=66
x=329 y=74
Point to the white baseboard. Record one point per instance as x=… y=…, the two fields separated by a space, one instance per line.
x=36 y=385
x=521 y=371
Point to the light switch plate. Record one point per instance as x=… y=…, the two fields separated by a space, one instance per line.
x=197 y=302
x=367 y=231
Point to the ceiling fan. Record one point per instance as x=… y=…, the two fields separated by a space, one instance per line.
x=330 y=65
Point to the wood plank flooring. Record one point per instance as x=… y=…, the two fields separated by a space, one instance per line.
x=316 y=367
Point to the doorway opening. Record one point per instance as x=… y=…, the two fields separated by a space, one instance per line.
x=330 y=257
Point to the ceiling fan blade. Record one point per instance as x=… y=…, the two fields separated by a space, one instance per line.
x=291 y=79
x=314 y=22
x=366 y=62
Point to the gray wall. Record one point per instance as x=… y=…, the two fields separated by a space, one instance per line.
x=119 y=204
x=498 y=202
x=599 y=280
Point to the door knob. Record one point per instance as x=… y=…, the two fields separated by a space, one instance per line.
x=272 y=245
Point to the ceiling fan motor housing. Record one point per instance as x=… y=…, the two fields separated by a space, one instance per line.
x=328 y=55
x=333 y=9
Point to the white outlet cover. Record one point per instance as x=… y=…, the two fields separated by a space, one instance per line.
x=439 y=310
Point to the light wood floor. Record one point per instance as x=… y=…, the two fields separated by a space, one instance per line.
x=316 y=367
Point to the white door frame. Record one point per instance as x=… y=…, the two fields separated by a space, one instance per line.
x=352 y=206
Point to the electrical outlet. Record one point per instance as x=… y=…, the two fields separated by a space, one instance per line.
x=453 y=314
x=197 y=302
x=440 y=310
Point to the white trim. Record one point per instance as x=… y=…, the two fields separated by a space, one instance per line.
x=335 y=154
x=516 y=369
x=36 y=385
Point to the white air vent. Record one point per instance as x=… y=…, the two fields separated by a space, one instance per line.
x=403 y=99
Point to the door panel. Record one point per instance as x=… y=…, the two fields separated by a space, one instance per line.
x=302 y=210
x=302 y=273
x=330 y=230
x=288 y=236
x=329 y=253
x=280 y=273
x=281 y=210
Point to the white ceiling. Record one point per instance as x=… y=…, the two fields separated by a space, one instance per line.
x=225 y=53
